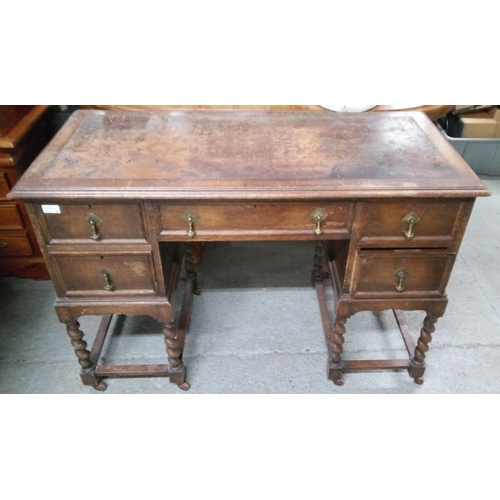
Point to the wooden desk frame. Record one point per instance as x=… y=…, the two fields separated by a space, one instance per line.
x=119 y=200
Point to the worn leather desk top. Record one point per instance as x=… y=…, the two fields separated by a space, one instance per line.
x=248 y=155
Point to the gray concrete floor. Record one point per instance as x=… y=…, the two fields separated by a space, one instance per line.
x=256 y=328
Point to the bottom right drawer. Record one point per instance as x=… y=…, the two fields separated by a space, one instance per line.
x=401 y=272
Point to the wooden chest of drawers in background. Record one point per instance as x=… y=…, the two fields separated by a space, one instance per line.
x=23 y=135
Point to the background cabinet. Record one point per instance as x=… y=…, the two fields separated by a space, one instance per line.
x=23 y=135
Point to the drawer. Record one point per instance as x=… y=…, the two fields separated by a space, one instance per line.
x=401 y=272
x=15 y=245
x=4 y=185
x=256 y=220
x=106 y=274
x=435 y=223
x=10 y=218
x=93 y=223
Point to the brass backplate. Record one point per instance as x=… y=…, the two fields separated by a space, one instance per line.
x=105 y=270
x=402 y=273
x=319 y=215
x=94 y=218
x=412 y=217
x=190 y=216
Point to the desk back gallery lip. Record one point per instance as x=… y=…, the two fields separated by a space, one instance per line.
x=247 y=155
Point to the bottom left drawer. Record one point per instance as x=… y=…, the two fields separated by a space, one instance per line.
x=106 y=274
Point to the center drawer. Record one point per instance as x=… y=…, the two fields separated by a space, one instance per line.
x=255 y=220
x=92 y=223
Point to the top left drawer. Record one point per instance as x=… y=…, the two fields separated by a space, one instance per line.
x=92 y=222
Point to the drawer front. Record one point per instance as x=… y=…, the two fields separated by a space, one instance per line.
x=412 y=223
x=10 y=218
x=402 y=272
x=15 y=246
x=259 y=220
x=93 y=223
x=107 y=275
x=4 y=185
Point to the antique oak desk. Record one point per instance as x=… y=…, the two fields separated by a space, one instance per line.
x=119 y=199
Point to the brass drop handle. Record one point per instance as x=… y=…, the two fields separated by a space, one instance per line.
x=411 y=219
x=190 y=232
x=318 y=216
x=401 y=274
x=190 y=217
x=400 y=287
x=108 y=285
x=318 y=229
x=409 y=234
x=3 y=244
x=94 y=234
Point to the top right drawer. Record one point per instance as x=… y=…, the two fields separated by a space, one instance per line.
x=411 y=223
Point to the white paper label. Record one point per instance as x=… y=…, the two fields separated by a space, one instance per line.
x=51 y=209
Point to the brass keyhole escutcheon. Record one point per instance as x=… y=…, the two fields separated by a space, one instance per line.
x=401 y=275
x=108 y=284
x=411 y=219
x=318 y=216
x=190 y=217
x=94 y=223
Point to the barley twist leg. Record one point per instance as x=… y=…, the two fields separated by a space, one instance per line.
x=418 y=360
x=83 y=355
x=175 y=364
x=335 y=365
